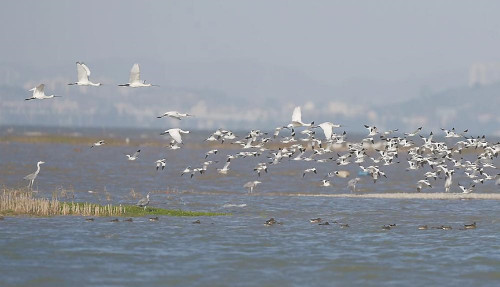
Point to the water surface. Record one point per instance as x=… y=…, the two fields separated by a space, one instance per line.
x=237 y=250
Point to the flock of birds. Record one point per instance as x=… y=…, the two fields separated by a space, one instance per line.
x=436 y=159
x=320 y=221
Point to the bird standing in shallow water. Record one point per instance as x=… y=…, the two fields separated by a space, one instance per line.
x=251 y=185
x=352 y=184
x=32 y=177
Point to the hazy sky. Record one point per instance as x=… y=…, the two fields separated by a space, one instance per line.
x=332 y=41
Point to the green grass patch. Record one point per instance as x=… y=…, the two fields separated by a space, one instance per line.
x=16 y=202
x=136 y=211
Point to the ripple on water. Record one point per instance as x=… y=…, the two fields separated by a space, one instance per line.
x=239 y=250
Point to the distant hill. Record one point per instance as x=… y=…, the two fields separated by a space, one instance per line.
x=237 y=95
x=474 y=108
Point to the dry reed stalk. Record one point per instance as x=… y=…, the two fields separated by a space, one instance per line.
x=24 y=203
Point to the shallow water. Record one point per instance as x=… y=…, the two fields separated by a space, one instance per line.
x=237 y=250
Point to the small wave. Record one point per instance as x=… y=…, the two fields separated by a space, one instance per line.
x=400 y=195
x=234 y=205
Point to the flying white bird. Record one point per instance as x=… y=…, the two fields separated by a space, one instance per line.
x=83 y=76
x=225 y=168
x=423 y=183
x=135 y=79
x=372 y=129
x=161 y=163
x=339 y=173
x=466 y=190
x=413 y=133
x=175 y=134
x=99 y=143
x=261 y=167
x=308 y=171
x=31 y=177
x=451 y=133
x=134 y=156
x=186 y=170
x=175 y=115
x=327 y=128
x=39 y=94
x=325 y=182
x=213 y=151
x=297 y=119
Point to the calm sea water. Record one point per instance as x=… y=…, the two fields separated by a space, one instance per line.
x=237 y=250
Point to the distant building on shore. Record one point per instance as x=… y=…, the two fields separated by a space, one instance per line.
x=481 y=74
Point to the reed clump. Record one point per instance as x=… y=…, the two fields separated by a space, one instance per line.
x=17 y=202
x=22 y=202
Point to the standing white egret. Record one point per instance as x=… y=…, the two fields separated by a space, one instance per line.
x=135 y=79
x=175 y=134
x=83 y=76
x=175 y=115
x=143 y=202
x=31 y=177
x=39 y=94
x=251 y=185
x=352 y=184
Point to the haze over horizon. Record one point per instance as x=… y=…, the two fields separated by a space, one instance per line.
x=246 y=64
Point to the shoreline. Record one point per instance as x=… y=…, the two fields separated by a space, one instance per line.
x=395 y=195
x=402 y=195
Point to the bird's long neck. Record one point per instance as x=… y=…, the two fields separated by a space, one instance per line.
x=37 y=168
